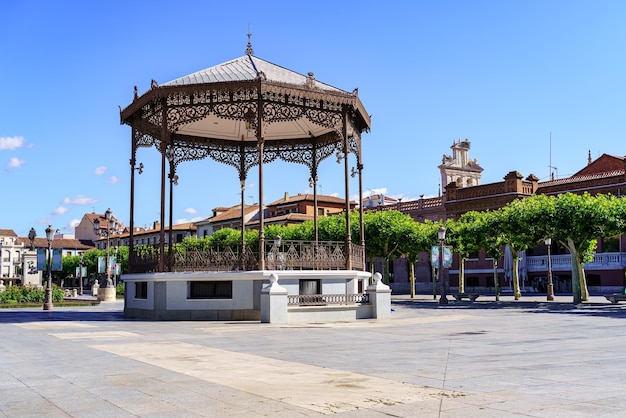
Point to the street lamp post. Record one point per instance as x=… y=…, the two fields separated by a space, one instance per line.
x=80 y=273
x=115 y=271
x=550 y=296
x=441 y=233
x=109 y=230
x=47 y=305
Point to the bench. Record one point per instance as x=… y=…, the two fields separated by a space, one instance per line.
x=615 y=297
x=471 y=296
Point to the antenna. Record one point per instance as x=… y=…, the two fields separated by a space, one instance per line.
x=550 y=166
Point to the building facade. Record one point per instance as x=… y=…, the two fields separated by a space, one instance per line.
x=11 y=250
x=606 y=273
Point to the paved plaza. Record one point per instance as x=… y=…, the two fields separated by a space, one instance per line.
x=525 y=358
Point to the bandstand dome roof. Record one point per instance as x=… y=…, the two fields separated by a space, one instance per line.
x=247 y=68
x=222 y=102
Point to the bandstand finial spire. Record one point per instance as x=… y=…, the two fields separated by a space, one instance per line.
x=249 y=50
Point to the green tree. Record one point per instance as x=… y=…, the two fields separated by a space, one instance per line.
x=418 y=238
x=576 y=222
x=385 y=233
x=514 y=223
x=461 y=235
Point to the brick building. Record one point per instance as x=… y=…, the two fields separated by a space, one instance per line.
x=606 y=273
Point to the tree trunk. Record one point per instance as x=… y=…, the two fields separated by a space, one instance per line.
x=516 y=289
x=412 y=278
x=578 y=274
x=584 y=291
x=461 y=274
x=496 y=280
x=576 y=281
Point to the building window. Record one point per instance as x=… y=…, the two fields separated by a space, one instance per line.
x=472 y=281
x=310 y=287
x=141 y=290
x=320 y=211
x=610 y=244
x=474 y=255
x=210 y=290
x=593 y=280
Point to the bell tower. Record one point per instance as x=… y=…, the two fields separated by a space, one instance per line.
x=459 y=168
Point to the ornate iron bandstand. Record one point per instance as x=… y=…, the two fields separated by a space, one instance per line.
x=247 y=112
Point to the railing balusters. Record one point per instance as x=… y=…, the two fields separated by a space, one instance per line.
x=329 y=299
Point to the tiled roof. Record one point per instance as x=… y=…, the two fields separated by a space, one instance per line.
x=290 y=217
x=188 y=226
x=233 y=212
x=307 y=196
x=62 y=243
x=247 y=68
x=378 y=197
x=7 y=233
x=576 y=179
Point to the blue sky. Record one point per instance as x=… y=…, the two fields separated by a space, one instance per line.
x=506 y=75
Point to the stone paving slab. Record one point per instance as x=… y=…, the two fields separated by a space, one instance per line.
x=526 y=358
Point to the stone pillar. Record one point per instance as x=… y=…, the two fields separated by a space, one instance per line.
x=30 y=275
x=94 y=289
x=274 y=302
x=380 y=298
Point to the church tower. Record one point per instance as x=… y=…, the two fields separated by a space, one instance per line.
x=459 y=168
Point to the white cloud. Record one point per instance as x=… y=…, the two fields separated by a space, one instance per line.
x=114 y=179
x=79 y=200
x=60 y=210
x=11 y=142
x=15 y=163
x=100 y=170
x=73 y=223
x=185 y=220
x=191 y=211
x=371 y=192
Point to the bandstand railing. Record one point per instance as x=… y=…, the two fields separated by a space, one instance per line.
x=331 y=299
x=286 y=255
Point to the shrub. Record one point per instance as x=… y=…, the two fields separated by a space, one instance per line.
x=119 y=289
x=29 y=294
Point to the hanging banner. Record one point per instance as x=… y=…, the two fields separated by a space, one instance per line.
x=80 y=273
x=101 y=264
x=447 y=256
x=434 y=255
x=112 y=262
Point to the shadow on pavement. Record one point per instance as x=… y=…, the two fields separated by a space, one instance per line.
x=587 y=308
x=9 y=315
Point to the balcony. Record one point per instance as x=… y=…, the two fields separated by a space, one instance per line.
x=562 y=262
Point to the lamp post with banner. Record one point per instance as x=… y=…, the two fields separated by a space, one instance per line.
x=106 y=231
x=48 y=305
x=80 y=274
x=550 y=295
x=441 y=256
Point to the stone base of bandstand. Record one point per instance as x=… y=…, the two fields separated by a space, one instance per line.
x=169 y=296
x=107 y=294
